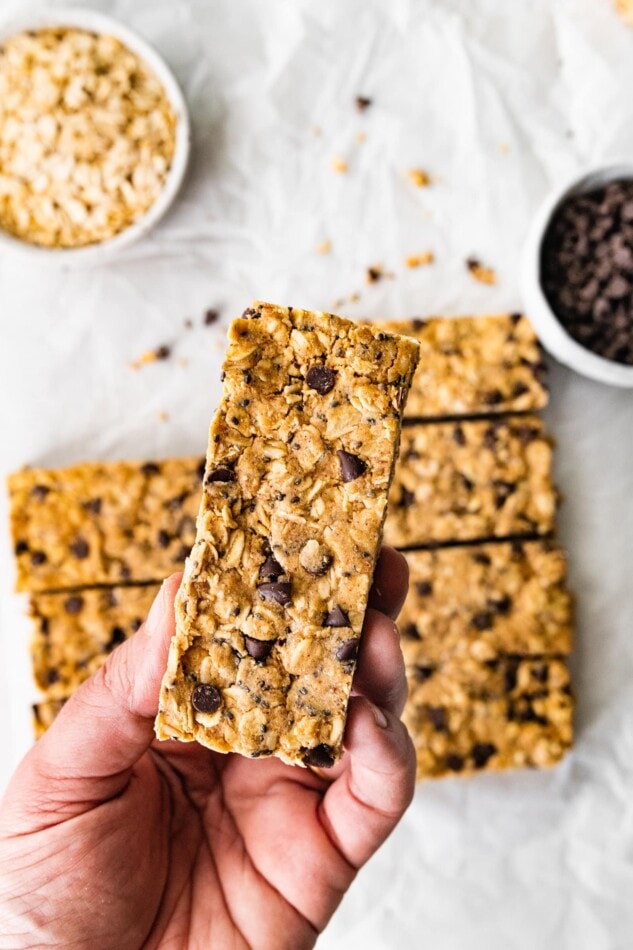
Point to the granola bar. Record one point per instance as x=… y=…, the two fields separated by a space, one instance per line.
x=269 y=614
x=468 y=732
x=474 y=365
x=44 y=714
x=75 y=631
x=103 y=522
x=470 y=480
x=481 y=600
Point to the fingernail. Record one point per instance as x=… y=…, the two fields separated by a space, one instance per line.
x=156 y=613
x=379 y=716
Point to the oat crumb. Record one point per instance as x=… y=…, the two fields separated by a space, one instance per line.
x=419 y=177
x=339 y=165
x=324 y=247
x=485 y=275
x=420 y=260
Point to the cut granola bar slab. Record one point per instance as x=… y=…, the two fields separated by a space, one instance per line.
x=75 y=631
x=463 y=481
x=103 y=522
x=474 y=365
x=481 y=600
x=269 y=614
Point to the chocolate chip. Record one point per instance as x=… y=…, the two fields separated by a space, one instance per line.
x=321 y=757
x=454 y=763
x=519 y=389
x=541 y=673
x=271 y=568
x=336 y=618
x=117 y=636
x=526 y=433
x=407 y=498
x=437 y=717
x=150 y=468
x=52 y=676
x=348 y=650
x=482 y=752
x=501 y=606
x=177 y=501
x=458 y=435
x=162 y=352
x=423 y=673
x=182 y=554
x=362 y=103
x=492 y=398
x=480 y=558
x=490 y=437
x=38 y=557
x=352 y=467
x=510 y=676
x=21 y=547
x=210 y=317
x=279 y=592
x=40 y=492
x=163 y=539
x=483 y=620
x=79 y=548
x=503 y=490
x=258 y=649
x=221 y=474
x=410 y=632
x=206 y=698
x=125 y=572
x=424 y=588
x=321 y=379
x=93 y=506
x=136 y=624
x=73 y=604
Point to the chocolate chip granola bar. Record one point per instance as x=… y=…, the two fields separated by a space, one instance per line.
x=269 y=614
x=470 y=480
x=481 y=600
x=474 y=366
x=74 y=632
x=103 y=522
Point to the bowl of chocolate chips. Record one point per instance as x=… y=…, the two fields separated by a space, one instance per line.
x=577 y=276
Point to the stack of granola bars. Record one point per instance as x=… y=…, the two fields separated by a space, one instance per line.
x=486 y=629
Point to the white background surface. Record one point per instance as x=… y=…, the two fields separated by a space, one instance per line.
x=498 y=100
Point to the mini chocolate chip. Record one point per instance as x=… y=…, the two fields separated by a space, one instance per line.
x=93 y=506
x=502 y=605
x=541 y=673
x=516 y=318
x=258 y=649
x=177 y=501
x=135 y=624
x=348 y=650
x=125 y=572
x=271 y=568
x=40 y=492
x=150 y=468
x=458 y=435
x=510 y=676
x=211 y=317
x=336 y=618
x=454 y=763
x=352 y=467
x=493 y=398
x=280 y=592
x=424 y=588
x=407 y=498
x=437 y=716
x=321 y=379
x=163 y=539
x=321 y=757
x=503 y=490
x=52 y=676
x=221 y=474
x=526 y=433
x=73 y=604
x=480 y=558
x=79 y=548
x=21 y=547
x=206 y=698
x=423 y=673
x=410 y=632
x=162 y=352
x=38 y=557
x=520 y=389
x=481 y=752
x=362 y=103
x=483 y=620
x=117 y=636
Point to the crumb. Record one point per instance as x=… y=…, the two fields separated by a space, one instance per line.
x=374 y=274
x=324 y=247
x=485 y=275
x=338 y=303
x=188 y=324
x=420 y=178
x=160 y=353
x=361 y=137
x=504 y=148
x=625 y=9
x=163 y=416
x=354 y=298
x=420 y=260
x=339 y=165
x=210 y=317
x=362 y=103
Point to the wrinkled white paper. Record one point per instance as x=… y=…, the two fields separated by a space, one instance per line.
x=497 y=101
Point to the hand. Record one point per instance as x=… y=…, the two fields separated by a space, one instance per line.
x=109 y=839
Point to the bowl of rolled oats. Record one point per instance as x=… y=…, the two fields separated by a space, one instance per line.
x=94 y=135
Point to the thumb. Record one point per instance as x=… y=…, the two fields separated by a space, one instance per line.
x=102 y=731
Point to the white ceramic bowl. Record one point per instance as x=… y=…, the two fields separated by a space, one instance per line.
x=95 y=22
x=551 y=332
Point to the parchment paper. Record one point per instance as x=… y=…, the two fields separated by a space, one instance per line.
x=497 y=101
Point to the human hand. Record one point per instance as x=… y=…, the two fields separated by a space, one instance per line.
x=110 y=839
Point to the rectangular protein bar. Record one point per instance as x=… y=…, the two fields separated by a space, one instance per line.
x=481 y=600
x=474 y=366
x=471 y=480
x=301 y=454
x=75 y=631
x=103 y=522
